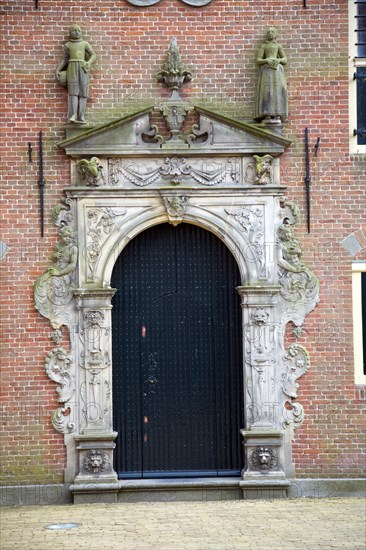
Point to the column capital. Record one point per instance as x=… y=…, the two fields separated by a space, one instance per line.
x=257 y=295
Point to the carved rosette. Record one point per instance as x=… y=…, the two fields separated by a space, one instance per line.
x=60 y=369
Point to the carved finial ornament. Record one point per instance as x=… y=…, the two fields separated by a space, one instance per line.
x=174 y=73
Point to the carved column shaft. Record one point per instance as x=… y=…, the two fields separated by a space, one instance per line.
x=260 y=338
x=96 y=436
x=95 y=374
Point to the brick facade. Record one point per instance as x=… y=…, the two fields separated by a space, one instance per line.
x=218 y=43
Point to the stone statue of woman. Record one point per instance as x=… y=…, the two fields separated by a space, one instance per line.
x=271 y=94
x=78 y=59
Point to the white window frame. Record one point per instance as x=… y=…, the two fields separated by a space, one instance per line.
x=353 y=63
x=358 y=267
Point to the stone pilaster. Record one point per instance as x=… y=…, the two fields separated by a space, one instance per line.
x=95 y=441
x=263 y=438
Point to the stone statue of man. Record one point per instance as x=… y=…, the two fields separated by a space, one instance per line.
x=78 y=59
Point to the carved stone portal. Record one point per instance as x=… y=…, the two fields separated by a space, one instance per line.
x=228 y=183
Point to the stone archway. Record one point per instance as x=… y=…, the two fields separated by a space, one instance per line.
x=218 y=189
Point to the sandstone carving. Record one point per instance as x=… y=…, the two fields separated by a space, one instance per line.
x=264 y=459
x=96 y=462
x=263 y=167
x=58 y=366
x=53 y=289
x=271 y=95
x=78 y=59
x=91 y=172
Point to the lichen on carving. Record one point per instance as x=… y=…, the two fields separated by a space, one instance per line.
x=263 y=169
x=91 y=172
x=53 y=289
x=298 y=283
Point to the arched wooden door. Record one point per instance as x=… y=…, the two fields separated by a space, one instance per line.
x=177 y=358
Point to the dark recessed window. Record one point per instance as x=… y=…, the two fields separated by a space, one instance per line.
x=361 y=28
x=360 y=74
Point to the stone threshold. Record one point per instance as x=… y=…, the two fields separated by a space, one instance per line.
x=177 y=489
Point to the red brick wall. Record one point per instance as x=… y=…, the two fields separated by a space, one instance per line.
x=218 y=43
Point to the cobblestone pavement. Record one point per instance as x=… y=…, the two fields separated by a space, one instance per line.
x=282 y=524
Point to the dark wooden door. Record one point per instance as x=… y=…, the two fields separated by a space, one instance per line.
x=177 y=367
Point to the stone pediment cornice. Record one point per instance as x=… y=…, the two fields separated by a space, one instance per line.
x=134 y=135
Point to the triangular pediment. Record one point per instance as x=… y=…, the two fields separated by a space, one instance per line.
x=133 y=134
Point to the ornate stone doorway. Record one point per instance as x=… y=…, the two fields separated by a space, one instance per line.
x=224 y=177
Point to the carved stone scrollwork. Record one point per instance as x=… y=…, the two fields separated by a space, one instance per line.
x=96 y=390
x=58 y=366
x=264 y=459
x=97 y=462
x=174 y=171
x=298 y=283
x=152 y=135
x=62 y=214
x=201 y=133
x=297 y=363
x=100 y=224
x=251 y=222
x=259 y=358
x=53 y=289
x=290 y=212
